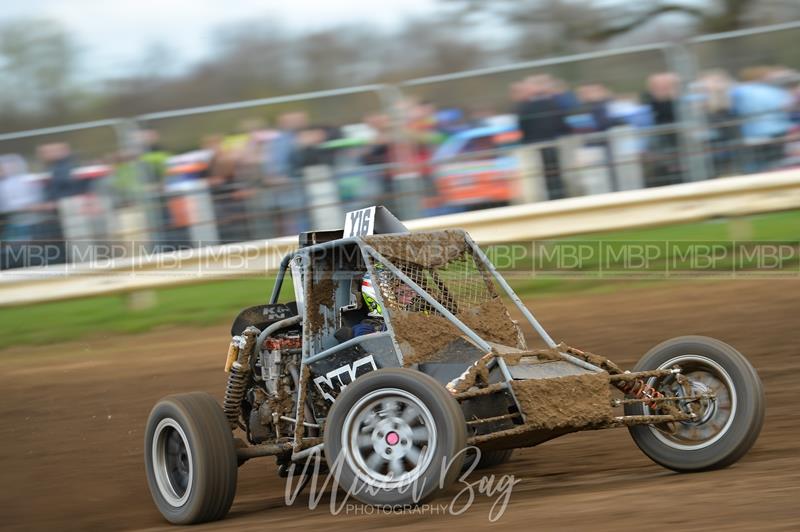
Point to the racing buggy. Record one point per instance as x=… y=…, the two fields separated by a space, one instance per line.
x=399 y=360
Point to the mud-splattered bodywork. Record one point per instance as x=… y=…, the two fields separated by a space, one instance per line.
x=443 y=316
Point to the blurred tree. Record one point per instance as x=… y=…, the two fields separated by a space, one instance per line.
x=600 y=20
x=712 y=16
x=433 y=46
x=39 y=83
x=38 y=59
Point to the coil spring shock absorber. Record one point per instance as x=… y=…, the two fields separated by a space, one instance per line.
x=636 y=388
x=238 y=367
x=234 y=393
x=641 y=390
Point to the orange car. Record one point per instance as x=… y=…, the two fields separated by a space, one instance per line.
x=473 y=171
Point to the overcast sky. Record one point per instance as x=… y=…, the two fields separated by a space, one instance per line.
x=114 y=34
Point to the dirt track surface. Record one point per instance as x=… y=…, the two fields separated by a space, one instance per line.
x=72 y=419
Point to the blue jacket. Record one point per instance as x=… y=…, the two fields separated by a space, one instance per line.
x=764 y=108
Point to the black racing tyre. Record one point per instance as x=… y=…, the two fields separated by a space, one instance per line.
x=190 y=459
x=728 y=423
x=494 y=458
x=389 y=434
x=488 y=458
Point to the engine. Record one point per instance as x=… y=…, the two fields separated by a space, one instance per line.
x=272 y=397
x=262 y=384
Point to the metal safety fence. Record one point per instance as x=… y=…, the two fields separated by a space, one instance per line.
x=221 y=173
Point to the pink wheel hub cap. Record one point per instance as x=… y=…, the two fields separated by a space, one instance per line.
x=392 y=438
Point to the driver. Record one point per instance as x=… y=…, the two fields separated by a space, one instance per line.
x=403 y=296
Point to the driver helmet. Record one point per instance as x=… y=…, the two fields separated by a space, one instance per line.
x=368 y=289
x=399 y=294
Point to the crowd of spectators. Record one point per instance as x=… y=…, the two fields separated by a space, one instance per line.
x=745 y=125
x=257 y=178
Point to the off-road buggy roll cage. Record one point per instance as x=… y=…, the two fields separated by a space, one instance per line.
x=458 y=331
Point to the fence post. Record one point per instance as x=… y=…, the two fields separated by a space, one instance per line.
x=692 y=122
x=322 y=212
x=532 y=187
x=407 y=186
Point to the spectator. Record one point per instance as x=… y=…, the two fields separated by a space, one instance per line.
x=236 y=175
x=152 y=168
x=541 y=116
x=663 y=159
x=221 y=174
x=59 y=188
x=713 y=92
x=594 y=101
x=519 y=92
x=380 y=153
x=58 y=160
x=628 y=109
x=541 y=119
x=566 y=99
x=153 y=157
x=422 y=130
x=663 y=90
x=280 y=151
x=250 y=174
x=20 y=195
x=791 y=81
x=126 y=181
x=763 y=106
x=283 y=176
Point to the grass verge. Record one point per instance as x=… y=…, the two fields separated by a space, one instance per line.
x=218 y=301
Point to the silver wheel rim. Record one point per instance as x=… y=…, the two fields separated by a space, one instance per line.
x=389 y=438
x=714 y=415
x=172 y=462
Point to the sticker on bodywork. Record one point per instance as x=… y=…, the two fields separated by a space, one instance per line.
x=334 y=381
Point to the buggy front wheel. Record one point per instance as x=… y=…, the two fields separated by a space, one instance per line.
x=395 y=436
x=728 y=405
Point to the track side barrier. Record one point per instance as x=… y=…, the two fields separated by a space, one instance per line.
x=736 y=196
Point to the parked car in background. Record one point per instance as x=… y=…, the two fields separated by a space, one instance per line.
x=474 y=169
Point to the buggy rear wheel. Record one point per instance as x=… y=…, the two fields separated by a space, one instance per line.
x=728 y=415
x=190 y=459
x=487 y=459
x=390 y=434
x=494 y=458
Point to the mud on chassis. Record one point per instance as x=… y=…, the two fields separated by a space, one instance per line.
x=450 y=370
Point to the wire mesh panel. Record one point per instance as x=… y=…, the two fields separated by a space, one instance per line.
x=442 y=264
x=445 y=267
